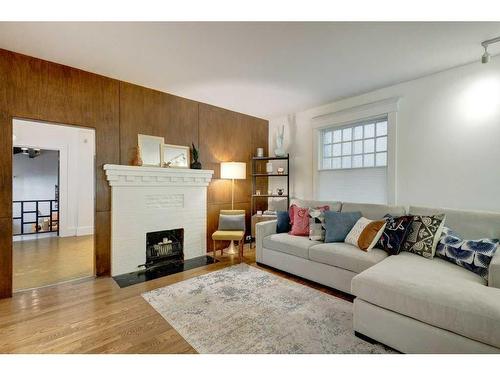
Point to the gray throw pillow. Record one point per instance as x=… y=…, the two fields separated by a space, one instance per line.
x=231 y=222
x=339 y=224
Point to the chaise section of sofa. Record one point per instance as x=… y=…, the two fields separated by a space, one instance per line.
x=431 y=305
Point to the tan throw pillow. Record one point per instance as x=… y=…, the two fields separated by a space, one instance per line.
x=366 y=233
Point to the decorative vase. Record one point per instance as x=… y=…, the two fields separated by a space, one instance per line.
x=269 y=168
x=279 y=150
x=280 y=191
x=260 y=152
x=137 y=160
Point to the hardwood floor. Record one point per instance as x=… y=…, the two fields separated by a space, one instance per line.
x=51 y=260
x=96 y=316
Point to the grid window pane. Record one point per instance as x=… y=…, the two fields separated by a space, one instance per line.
x=357 y=147
x=327 y=151
x=337 y=149
x=369 y=145
x=337 y=136
x=346 y=162
x=357 y=161
x=346 y=148
x=382 y=144
x=327 y=163
x=368 y=160
x=327 y=137
x=381 y=159
x=381 y=128
x=358 y=132
x=369 y=130
x=347 y=134
x=336 y=163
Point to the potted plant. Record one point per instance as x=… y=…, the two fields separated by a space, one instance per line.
x=195 y=164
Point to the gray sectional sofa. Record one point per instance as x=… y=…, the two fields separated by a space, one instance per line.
x=410 y=303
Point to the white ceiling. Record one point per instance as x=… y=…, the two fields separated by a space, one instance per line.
x=262 y=69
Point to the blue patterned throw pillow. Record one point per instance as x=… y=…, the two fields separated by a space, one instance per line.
x=473 y=255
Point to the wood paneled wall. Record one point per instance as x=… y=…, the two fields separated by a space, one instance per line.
x=35 y=89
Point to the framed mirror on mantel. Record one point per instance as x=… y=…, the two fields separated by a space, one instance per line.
x=150 y=149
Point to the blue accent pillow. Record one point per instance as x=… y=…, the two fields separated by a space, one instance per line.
x=339 y=224
x=473 y=255
x=283 y=223
x=395 y=233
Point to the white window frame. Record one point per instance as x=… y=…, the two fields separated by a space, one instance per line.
x=347 y=116
x=352 y=126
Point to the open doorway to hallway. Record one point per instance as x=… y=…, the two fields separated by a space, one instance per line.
x=53 y=203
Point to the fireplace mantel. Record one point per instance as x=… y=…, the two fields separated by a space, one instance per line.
x=150 y=199
x=124 y=175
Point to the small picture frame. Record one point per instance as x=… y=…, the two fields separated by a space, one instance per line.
x=150 y=149
x=174 y=156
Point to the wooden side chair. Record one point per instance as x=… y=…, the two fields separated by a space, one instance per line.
x=231 y=228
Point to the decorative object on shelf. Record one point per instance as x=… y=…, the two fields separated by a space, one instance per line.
x=257 y=192
x=269 y=167
x=174 y=156
x=233 y=171
x=280 y=191
x=260 y=152
x=279 y=150
x=150 y=149
x=137 y=161
x=259 y=212
x=281 y=170
x=196 y=154
x=269 y=192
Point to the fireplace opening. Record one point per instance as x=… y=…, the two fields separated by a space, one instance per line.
x=164 y=247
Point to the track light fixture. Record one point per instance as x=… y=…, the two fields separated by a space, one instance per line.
x=486 y=56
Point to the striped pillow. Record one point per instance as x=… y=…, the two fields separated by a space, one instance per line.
x=365 y=233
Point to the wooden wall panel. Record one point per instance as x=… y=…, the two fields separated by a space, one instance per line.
x=229 y=136
x=5 y=257
x=146 y=111
x=102 y=243
x=40 y=90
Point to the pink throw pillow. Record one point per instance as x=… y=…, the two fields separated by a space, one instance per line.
x=300 y=222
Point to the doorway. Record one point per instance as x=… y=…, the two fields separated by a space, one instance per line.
x=53 y=203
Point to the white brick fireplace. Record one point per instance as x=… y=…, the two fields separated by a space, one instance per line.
x=149 y=199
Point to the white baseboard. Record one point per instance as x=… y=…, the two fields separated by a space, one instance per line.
x=84 y=231
x=76 y=231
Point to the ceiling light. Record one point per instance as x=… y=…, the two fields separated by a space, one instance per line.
x=486 y=56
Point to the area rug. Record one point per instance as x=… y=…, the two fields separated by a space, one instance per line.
x=242 y=309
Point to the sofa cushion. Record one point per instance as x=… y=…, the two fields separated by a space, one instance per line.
x=373 y=211
x=345 y=256
x=435 y=292
x=286 y=243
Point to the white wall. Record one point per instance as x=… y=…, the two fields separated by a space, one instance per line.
x=76 y=151
x=448 y=138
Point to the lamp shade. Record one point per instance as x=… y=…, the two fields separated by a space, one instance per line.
x=233 y=170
